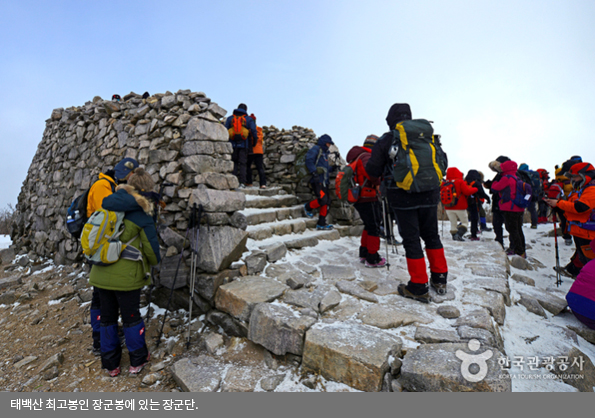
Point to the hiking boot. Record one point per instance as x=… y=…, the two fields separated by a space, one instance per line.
x=249 y=185
x=533 y=226
x=405 y=292
x=241 y=186
x=363 y=253
x=510 y=252
x=485 y=228
x=568 y=241
x=324 y=227
x=457 y=237
x=381 y=263
x=263 y=186
x=473 y=239
x=97 y=351
x=138 y=369
x=438 y=282
x=309 y=214
x=115 y=372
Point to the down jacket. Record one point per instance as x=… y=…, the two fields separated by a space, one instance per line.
x=312 y=156
x=463 y=190
x=127 y=275
x=509 y=168
x=578 y=209
x=581 y=296
x=102 y=188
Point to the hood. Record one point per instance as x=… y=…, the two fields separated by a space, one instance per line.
x=140 y=201
x=324 y=139
x=524 y=167
x=240 y=112
x=397 y=113
x=356 y=152
x=559 y=176
x=509 y=167
x=453 y=173
x=473 y=175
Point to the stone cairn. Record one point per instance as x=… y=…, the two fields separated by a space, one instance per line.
x=180 y=140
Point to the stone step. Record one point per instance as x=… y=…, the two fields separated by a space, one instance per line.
x=276 y=201
x=255 y=216
x=255 y=191
x=307 y=238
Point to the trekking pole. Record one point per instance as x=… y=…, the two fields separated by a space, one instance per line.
x=173 y=286
x=385 y=233
x=156 y=220
x=442 y=220
x=194 y=248
x=391 y=228
x=558 y=274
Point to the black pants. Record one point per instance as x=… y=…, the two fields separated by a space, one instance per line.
x=257 y=160
x=415 y=224
x=532 y=208
x=514 y=226
x=371 y=218
x=126 y=304
x=473 y=212
x=542 y=209
x=563 y=222
x=240 y=163
x=497 y=222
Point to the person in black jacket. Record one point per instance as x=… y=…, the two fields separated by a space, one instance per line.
x=474 y=201
x=417 y=215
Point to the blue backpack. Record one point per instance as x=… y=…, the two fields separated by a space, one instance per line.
x=522 y=197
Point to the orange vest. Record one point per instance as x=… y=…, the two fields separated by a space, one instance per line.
x=258 y=148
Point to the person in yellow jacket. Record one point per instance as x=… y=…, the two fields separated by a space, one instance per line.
x=256 y=157
x=579 y=211
x=103 y=187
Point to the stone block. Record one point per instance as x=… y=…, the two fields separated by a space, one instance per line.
x=217 y=200
x=219 y=246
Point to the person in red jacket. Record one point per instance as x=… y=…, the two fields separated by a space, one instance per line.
x=579 y=210
x=366 y=206
x=513 y=214
x=458 y=212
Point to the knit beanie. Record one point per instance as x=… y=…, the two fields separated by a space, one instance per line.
x=524 y=167
x=370 y=141
x=141 y=180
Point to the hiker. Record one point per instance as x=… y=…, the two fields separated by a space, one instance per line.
x=243 y=136
x=103 y=187
x=318 y=165
x=513 y=214
x=457 y=212
x=579 y=211
x=531 y=177
x=483 y=226
x=474 y=202
x=367 y=204
x=256 y=157
x=497 y=215
x=542 y=207
x=581 y=296
x=416 y=212
x=120 y=284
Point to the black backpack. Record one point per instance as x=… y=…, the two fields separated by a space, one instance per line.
x=76 y=215
x=532 y=177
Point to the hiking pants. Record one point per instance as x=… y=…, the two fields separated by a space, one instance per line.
x=514 y=226
x=497 y=222
x=457 y=215
x=322 y=201
x=421 y=223
x=95 y=313
x=563 y=222
x=240 y=163
x=257 y=160
x=127 y=304
x=532 y=208
x=542 y=211
x=474 y=219
x=371 y=235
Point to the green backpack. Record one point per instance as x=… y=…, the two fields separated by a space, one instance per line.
x=419 y=163
x=299 y=167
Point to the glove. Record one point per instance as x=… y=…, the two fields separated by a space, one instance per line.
x=320 y=170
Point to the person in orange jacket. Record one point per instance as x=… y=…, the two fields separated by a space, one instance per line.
x=579 y=210
x=458 y=212
x=256 y=157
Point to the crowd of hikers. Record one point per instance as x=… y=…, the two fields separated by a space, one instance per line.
x=399 y=179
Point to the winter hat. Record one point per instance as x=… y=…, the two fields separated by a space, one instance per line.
x=325 y=139
x=397 y=113
x=370 y=141
x=141 y=180
x=494 y=166
x=585 y=170
x=253 y=117
x=243 y=106
x=576 y=158
x=124 y=167
x=524 y=167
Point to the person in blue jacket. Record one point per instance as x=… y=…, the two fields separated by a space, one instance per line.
x=120 y=284
x=318 y=165
x=242 y=140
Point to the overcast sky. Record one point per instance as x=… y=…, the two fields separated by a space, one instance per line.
x=497 y=78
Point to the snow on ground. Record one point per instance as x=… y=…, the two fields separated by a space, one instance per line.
x=5 y=241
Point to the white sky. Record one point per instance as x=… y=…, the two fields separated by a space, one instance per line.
x=508 y=78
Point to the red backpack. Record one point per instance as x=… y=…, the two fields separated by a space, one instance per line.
x=448 y=194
